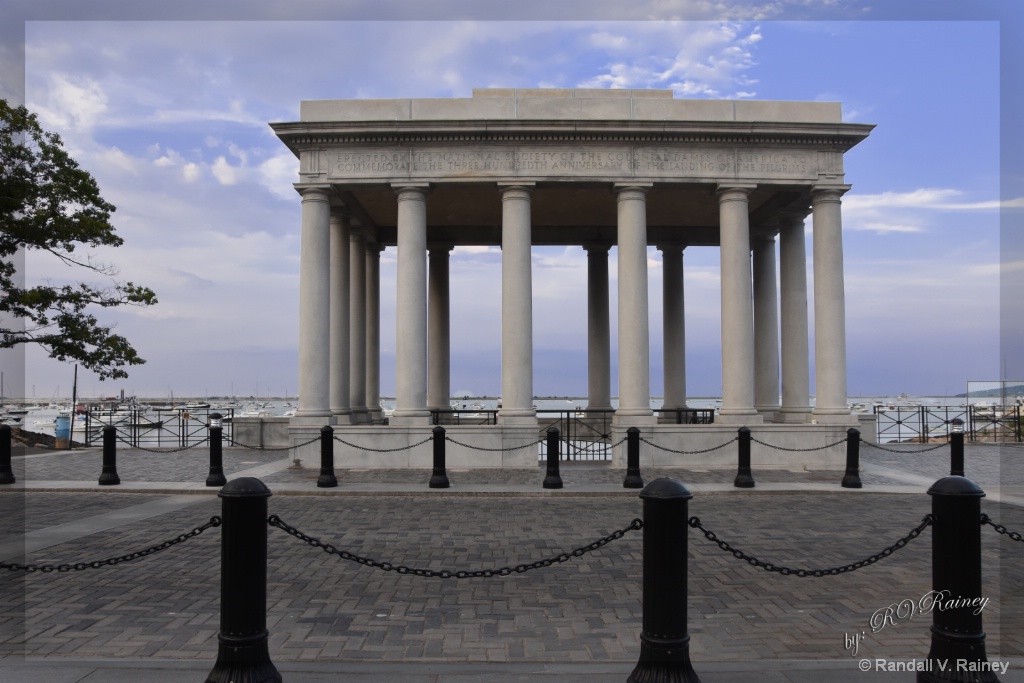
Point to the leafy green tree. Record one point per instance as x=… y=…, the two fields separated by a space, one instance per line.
x=48 y=203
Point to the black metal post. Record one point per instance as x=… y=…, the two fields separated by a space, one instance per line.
x=633 y=479
x=439 y=477
x=242 y=652
x=6 y=474
x=553 y=480
x=108 y=477
x=956 y=581
x=665 y=641
x=216 y=476
x=327 y=479
x=956 y=453
x=851 y=480
x=744 y=479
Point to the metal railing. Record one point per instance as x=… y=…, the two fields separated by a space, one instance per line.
x=178 y=427
x=586 y=435
x=924 y=424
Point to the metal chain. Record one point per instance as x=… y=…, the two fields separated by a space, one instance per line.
x=768 y=566
x=706 y=450
x=985 y=519
x=160 y=450
x=264 y=448
x=79 y=566
x=798 y=450
x=384 y=450
x=482 y=448
x=904 y=452
x=276 y=521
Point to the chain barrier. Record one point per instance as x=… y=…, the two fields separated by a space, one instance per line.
x=985 y=519
x=705 y=450
x=786 y=571
x=276 y=521
x=539 y=442
x=79 y=566
x=901 y=451
x=799 y=450
x=384 y=450
x=264 y=448
x=161 y=450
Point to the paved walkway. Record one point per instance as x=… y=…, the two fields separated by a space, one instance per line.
x=156 y=618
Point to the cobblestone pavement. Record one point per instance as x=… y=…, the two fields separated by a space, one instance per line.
x=586 y=610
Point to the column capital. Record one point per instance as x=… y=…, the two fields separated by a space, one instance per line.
x=622 y=188
x=828 y=192
x=515 y=190
x=596 y=248
x=792 y=216
x=313 y=191
x=414 y=191
x=665 y=247
x=440 y=247
x=724 y=189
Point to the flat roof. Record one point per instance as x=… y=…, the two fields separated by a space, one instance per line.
x=576 y=104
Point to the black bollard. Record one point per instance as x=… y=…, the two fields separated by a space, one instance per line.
x=744 y=479
x=956 y=451
x=956 y=582
x=851 y=480
x=665 y=641
x=553 y=480
x=327 y=479
x=216 y=476
x=242 y=651
x=6 y=474
x=439 y=478
x=633 y=479
x=108 y=477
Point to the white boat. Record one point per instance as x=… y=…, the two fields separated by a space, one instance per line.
x=45 y=424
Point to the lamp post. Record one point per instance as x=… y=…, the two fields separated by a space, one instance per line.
x=956 y=447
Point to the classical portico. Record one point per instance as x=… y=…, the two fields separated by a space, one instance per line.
x=595 y=169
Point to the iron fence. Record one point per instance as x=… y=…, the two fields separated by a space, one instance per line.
x=148 y=427
x=924 y=424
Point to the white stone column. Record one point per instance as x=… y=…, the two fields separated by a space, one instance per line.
x=599 y=355
x=357 y=326
x=314 y=307
x=373 y=252
x=737 y=308
x=516 y=308
x=829 y=307
x=796 y=375
x=634 y=329
x=411 y=328
x=339 y=363
x=673 y=330
x=766 y=328
x=439 y=329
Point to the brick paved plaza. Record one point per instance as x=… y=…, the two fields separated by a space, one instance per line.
x=587 y=611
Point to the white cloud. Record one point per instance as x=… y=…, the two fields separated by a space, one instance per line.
x=225 y=173
x=278 y=173
x=70 y=103
x=191 y=172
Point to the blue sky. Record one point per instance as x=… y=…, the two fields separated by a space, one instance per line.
x=171 y=117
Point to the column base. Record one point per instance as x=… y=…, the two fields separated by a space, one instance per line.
x=739 y=417
x=793 y=415
x=517 y=418
x=623 y=419
x=410 y=418
x=312 y=418
x=767 y=413
x=827 y=417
